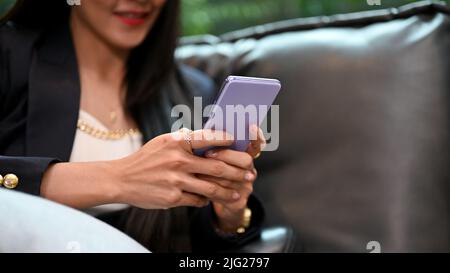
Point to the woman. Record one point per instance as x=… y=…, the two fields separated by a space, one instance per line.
x=85 y=99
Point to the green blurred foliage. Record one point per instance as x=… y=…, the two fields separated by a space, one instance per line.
x=220 y=16
x=5 y=6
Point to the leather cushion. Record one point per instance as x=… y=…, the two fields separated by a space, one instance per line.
x=364 y=115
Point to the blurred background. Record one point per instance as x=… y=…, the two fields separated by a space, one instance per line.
x=220 y=16
x=6 y=5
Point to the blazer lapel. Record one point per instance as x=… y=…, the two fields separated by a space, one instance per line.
x=54 y=96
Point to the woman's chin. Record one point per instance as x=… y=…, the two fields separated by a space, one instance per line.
x=128 y=41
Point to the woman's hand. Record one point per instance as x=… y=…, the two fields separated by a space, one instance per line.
x=162 y=174
x=230 y=212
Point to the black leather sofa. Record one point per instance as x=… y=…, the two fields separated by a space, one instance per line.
x=364 y=124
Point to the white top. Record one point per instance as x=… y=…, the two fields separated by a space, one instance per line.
x=88 y=148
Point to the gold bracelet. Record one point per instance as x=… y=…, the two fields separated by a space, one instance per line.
x=245 y=221
x=1 y=180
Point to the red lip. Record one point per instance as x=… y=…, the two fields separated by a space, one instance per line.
x=132 y=18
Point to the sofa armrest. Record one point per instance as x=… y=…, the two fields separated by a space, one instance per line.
x=33 y=224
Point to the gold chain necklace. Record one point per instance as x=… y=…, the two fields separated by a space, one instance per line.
x=105 y=135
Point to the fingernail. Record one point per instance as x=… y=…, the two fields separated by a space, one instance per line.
x=211 y=154
x=236 y=196
x=249 y=176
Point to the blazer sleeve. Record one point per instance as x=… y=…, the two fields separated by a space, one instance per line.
x=2 y=66
x=29 y=170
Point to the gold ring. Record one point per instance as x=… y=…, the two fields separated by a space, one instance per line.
x=187 y=135
x=188 y=138
x=257 y=155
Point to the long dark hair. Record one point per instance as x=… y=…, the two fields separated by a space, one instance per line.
x=148 y=69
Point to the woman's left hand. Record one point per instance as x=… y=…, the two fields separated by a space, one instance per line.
x=230 y=213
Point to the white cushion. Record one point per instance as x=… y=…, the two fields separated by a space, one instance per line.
x=33 y=224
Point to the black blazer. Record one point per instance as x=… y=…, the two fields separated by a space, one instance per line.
x=39 y=105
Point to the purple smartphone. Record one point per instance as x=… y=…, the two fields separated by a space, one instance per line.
x=242 y=101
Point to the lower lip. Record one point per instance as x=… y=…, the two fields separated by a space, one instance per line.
x=131 y=21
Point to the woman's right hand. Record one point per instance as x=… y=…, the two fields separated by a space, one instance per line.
x=162 y=174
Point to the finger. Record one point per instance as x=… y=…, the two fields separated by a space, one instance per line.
x=209 y=138
x=235 y=185
x=209 y=190
x=244 y=189
x=192 y=200
x=222 y=182
x=258 y=141
x=217 y=168
x=236 y=158
x=236 y=206
x=190 y=140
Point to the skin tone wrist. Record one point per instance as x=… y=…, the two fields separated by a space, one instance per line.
x=81 y=185
x=232 y=223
